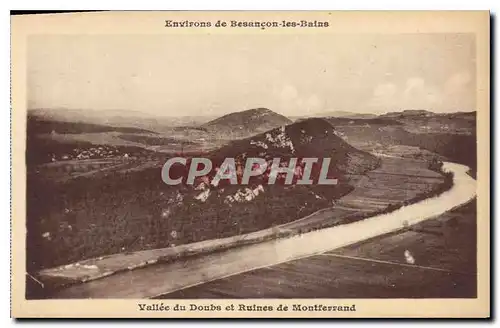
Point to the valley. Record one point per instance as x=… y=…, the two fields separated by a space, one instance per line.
x=96 y=190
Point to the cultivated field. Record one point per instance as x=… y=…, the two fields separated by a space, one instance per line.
x=443 y=266
x=396 y=182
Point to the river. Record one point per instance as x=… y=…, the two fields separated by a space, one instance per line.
x=161 y=279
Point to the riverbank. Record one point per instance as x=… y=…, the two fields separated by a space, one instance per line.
x=161 y=279
x=436 y=258
x=347 y=210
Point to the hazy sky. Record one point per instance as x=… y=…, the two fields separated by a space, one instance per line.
x=217 y=74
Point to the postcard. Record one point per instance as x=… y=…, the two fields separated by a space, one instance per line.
x=251 y=164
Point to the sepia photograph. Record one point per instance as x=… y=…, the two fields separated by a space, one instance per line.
x=253 y=157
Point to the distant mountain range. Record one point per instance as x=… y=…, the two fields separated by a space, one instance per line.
x=396 y=114
x=417 y=114
x=119 y=118
x=407 y=113
x=44 y=126
x=235 y=125
x=345 y=114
